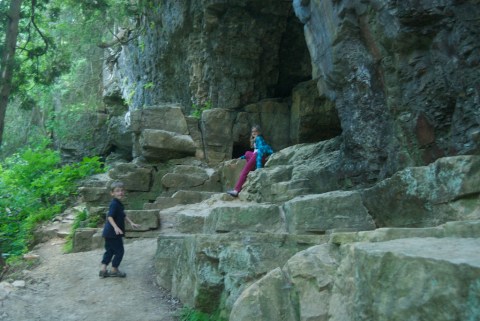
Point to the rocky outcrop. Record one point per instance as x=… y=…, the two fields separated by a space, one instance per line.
x=427 y=196
x=429 y=274
x=200 y=60
x=220 y=253
x=297 y=170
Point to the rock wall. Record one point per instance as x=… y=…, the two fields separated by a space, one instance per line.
x=230 y=53
x=397 y=81
x=403 y=75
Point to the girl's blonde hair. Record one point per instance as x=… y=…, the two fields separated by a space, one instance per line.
x=252 y=139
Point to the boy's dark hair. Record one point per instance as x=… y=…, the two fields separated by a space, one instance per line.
x=116 y=184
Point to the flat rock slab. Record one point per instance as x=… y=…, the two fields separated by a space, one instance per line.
x=422 y=278
x=452 y=250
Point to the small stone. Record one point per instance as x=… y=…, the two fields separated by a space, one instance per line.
x=31 y=256
x=5 y=289
x=19 y=284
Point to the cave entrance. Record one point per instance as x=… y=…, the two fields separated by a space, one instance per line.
x=294 y=58
x=239 y=149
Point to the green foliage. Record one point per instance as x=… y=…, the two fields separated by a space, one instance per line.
x=197 y=110
x=58 y=65
x=35 y=187
x=190 y=314
x=148 y=85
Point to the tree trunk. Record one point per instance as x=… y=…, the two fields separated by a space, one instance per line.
x=8 y=59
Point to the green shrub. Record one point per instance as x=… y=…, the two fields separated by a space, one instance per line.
x=190 y=314
x=197 y=110
x=34 y=187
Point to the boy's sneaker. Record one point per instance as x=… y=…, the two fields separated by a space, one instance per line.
x=233 y=193
x=118 y=274
x=103 y=274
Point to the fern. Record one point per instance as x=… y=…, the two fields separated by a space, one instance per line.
x=34 y=187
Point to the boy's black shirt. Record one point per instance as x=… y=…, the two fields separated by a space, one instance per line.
x=117 y=212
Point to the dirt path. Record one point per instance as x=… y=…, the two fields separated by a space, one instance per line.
x=66 y=287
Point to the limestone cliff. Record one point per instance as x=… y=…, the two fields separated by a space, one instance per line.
x=402 y=77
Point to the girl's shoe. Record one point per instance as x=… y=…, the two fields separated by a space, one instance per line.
x=118 y=274
x=232 y=193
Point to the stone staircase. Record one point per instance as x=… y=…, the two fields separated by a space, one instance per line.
x=210 y=244
x=288 y=239
x=214 y=251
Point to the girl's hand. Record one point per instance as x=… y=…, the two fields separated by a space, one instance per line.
x=135 y=225
x=118 y=231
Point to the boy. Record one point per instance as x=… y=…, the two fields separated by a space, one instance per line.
x=114 y=231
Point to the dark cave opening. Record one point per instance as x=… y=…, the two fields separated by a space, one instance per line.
x=294 y=58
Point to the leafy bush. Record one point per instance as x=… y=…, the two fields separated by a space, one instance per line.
x=197 y=110
x=190 y=314
x=34 y=187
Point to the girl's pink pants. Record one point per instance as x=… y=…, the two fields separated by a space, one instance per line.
x=251 y=158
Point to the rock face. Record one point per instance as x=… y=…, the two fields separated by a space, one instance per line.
x=228 y=52
x=402 y=76
x=310 y=256
x=398 y=82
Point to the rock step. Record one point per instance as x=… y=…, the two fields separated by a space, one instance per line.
x=178 y=198
x=304 y=215
x=221 y=217
x=309 y=214
x=457 y=229
x=290 y=189
x=203 y=269
x=218 y=213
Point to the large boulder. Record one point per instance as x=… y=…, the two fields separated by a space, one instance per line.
x=260 y=218
x=338 y=210
x=134 y=177
x=83 y=239
x=161 y=145
x=301 y=290
x=297 y=170
x=427 y=196
x=190 y=177
x=426 y=279
x=313 y=116
x=168 y=117
x=216 y=126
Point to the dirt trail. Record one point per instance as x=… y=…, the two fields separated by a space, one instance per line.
x=66 y=287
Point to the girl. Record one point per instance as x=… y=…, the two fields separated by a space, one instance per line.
x=254 y=159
